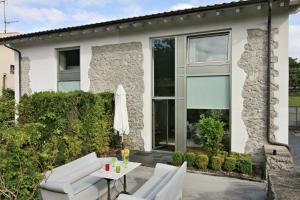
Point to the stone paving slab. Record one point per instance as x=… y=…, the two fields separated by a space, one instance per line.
x=199 y=186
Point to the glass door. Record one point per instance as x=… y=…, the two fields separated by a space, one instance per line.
x=163 y=100
x=164 y=124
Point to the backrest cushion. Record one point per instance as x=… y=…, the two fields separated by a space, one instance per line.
x=158 y=187
x=72 y=167
x=81 y=172
x=174 y=186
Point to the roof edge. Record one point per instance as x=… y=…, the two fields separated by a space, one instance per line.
x=136 y=19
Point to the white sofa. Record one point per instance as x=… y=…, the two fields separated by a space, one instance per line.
x=73 y=180
x=166 y=183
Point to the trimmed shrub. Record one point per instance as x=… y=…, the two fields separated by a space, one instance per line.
x=234 y=154
x=244 y=165
x=210 y=134
x=216 y=163
x=177 y=158
x=7 y=107
x=201 y=161
x=229 y=164
x=189 y=157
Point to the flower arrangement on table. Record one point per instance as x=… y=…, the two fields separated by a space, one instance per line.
x=125 y=155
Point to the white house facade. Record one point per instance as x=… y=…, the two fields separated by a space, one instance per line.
x=175 y=66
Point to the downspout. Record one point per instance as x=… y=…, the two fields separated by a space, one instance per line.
x=269 y=96
x=19 y=58
x=4 y=81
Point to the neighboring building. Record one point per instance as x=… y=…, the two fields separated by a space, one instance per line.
x=175 y=66
x=7 y=66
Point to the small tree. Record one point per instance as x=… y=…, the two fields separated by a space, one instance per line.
x=210 y=133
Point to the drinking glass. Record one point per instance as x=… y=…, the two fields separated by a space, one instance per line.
x=113 y=161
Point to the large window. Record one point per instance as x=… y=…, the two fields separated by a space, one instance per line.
x=164 y=67
x=164 y=93
x=69 y=69
x=212 y=48
x=207 y=94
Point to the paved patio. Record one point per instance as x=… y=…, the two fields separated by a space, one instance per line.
x=294 y=142
x=198 y=186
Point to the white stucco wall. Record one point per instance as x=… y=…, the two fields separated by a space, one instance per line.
x=43 y=72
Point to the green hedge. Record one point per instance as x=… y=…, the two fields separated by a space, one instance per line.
x=7 y=107
x=54 y=128
x=82 y=121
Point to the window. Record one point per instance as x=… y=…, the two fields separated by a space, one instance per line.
x=11 y=69
x=164 y=67
x=164 y=86
x=206 y=95
x=212 y=48
x=208 y=92
x=69 y=69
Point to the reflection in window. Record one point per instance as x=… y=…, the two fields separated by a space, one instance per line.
x=164 y=67
x=69 y=59
x=208 y=49
x=193 y=117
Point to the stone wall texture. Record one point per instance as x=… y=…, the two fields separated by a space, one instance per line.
x=283 y=180
x=116 y=64
x=255 y=90
x=25 y=79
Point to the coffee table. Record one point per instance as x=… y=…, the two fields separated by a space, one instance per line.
x=113 y=175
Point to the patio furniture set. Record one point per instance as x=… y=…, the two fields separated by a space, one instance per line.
x=87 y=178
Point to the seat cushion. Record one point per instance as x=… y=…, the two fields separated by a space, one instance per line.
x=85 y=183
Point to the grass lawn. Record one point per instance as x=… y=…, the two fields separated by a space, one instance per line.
x=294 y=100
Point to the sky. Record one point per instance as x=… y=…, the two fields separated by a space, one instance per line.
x=37 y=15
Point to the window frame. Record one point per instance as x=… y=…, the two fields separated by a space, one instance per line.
x=74 y=71
x=209 y=63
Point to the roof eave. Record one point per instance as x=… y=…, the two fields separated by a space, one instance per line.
x=145 y=18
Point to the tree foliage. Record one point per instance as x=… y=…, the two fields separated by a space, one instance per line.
x=294 y=75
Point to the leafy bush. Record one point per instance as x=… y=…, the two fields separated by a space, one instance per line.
x=189 y=157
x=8 y=93
x=7 y=107
x=234 y=155
x=54 y=128
x=23 y=159
x=223 y=155
x=216 y=163
x=244 y=165
x=210 y=134
x=229 y=164
x=177 y=158
x=201 y=161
